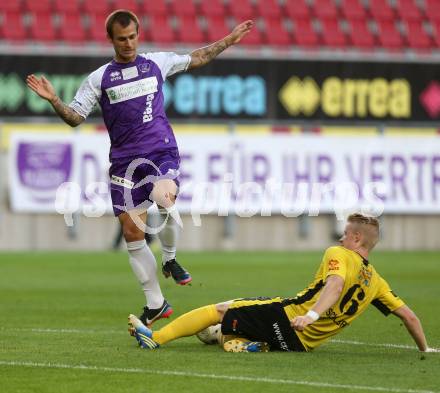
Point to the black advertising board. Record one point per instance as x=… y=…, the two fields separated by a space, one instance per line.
x=253 y=89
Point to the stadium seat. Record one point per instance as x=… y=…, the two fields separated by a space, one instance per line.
x=381 y=10
x=436 y=34
x=325 y=9
x=304 y=34
x=131 y=5
x=39 y=6
x=432 y=10
x=71 y=28
x=407 y=10
x=160 y=30
x=216 y=28
x=96 y=7
x=184 y=9
x=276 y=33
x=269 y=9
x=241 y=10
x=353 y=10
x=10 y=6
x=18 y=31
x=42 y=27
x=212 y=8
x=97 y=31
x=64 y=6
x=416 y=36
x=332 y=34
x=253 y=38
x=388 y=36
x=154 y=8
x=189 y=30
x=360 y=35
x=297 y=9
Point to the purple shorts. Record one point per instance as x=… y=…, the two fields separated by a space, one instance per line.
x=132 y=178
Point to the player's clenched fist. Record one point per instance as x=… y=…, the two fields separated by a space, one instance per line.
x=299 y=323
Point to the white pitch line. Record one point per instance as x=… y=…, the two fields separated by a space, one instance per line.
x=91 y=331
x=351 y=342
x=211 y=376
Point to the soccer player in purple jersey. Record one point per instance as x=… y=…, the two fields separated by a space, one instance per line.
x=144 y=156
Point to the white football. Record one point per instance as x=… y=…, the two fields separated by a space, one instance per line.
x=210 y=335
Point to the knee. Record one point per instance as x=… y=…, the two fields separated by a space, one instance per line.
x=164 y=193
x=131 y=232
x=222 y=308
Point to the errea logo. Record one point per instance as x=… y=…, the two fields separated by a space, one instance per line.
x=115 y=75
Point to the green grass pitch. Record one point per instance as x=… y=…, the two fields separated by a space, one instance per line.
x=64 y=319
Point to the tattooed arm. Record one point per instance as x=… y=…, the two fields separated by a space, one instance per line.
x=204 y=55
x=45 y=90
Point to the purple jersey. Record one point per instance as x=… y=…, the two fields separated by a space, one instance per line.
x=132 y=102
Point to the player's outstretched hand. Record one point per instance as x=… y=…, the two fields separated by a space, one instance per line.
x=240 y=31
x=299 y=323
x=41 y=86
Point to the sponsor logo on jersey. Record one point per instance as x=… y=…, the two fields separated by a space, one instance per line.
x=115 y=75
x=128 y=91
x=120 y=181
x=144 y=67
x=331 y=314
x=365 y=275
x=280 y=338
x=173 y=173
x=333 y=264
x=130 y=73
x=147 y=116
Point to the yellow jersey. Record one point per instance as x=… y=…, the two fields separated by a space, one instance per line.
x=362 y=286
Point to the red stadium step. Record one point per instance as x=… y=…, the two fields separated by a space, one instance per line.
x=381 y=10
x=213 y=8
x=131 y=5
x=96 y=7
x=332 y=34
x=97 y=31
x=72 y=29
x=184 y=8
x=436 y=33
x=42 y=27
x=269 y=9
x=156 y=8
x=276 y=33
x=10 y=6
x=18 y=32
x=325 y=9
x=242 y=10
x=216 y=28
x=160 y=31
x=189 y=30
x=360 y=35
x=40 y=6
x=417 y=37
x=409 y=11
x=353 y=10
x=64 y=6
x=304 y=34
x=297 y=9
x=432 y=10
x=388 y=36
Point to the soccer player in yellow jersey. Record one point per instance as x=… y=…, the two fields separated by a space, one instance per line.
x=345 y=284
